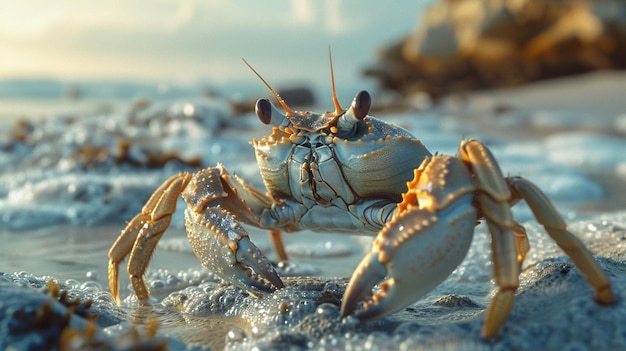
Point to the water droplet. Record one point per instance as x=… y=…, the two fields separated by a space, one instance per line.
x=188 y=110
x=72 y=283
x=91 y=286
x=157 y=284
x=236 y=335
x=91 y=275
x=326 y=309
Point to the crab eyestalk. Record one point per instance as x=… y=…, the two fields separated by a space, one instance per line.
x=357 y=111
x=268 y=114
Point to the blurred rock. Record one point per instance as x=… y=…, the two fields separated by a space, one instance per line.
x=298 y=96
x=461 y=45
x=79 y=162
x=149 y=135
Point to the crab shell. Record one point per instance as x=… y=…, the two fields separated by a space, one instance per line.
x=374 y=158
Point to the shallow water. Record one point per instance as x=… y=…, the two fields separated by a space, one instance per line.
x=68 y=186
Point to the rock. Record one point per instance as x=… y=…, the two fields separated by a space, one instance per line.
x=455 y=301
x=466 y=44
x=298 y=96
x=39 y=313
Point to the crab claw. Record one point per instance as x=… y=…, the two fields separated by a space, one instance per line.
x=411 y=255
x=222 y=245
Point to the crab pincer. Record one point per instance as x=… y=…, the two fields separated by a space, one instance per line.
x=224 y=248
x=411 y=255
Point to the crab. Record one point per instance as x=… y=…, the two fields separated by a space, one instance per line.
x=345 y=171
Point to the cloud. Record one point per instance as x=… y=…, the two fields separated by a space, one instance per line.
x=303 y=11
x=335 y=21
x=183 y=15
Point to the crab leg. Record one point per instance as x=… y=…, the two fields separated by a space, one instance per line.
x=279 y=247
x=521 y=241
x=141 y=235
x=506 y=273
x=508 y=241
x=547 y=216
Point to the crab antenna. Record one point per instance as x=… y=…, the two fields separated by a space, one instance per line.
x=282 y=102
x=338 y=109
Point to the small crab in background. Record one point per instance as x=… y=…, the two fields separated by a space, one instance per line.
x=345 y=171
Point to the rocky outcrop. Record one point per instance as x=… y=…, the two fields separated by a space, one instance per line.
x=461 y=45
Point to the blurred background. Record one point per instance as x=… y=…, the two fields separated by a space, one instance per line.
x=123 y=50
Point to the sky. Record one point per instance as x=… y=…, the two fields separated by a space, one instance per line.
x=187 y=41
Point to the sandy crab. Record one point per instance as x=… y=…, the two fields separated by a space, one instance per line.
x=349 y=172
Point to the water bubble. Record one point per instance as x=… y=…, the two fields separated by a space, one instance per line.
x=350 y=321
x=326 y=309
x=91 y=286
x=72 y=284
x=236 y=335
x=157 y=284
x=256 y=331
x=23 y=275
x=91 y=275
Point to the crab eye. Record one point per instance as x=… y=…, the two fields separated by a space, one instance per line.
x=361 y=104
x=263 y=110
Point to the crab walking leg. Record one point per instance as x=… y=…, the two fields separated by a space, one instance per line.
x=141 y=235
x=548 y=216
x=494 y=197
x=506 y=272
x=121 y=248
x=279 y=247
x=521 y=241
